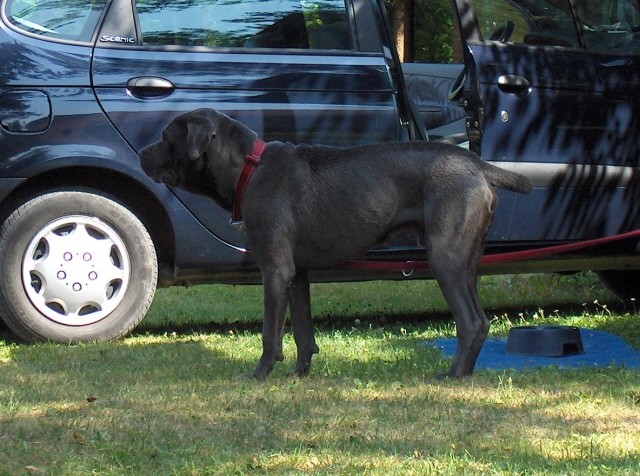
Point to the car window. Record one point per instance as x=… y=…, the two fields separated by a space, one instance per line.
x=530 y=22
x=610 y=25
x=245 y=24
x=73 y=20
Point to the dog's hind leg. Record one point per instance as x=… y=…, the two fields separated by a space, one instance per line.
x=454 y=247
x=301 y=322
x=276 y=282
x=472 y=326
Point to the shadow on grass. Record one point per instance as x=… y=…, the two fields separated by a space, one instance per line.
x=330 y=322
x=7 y=337
x=621 y=318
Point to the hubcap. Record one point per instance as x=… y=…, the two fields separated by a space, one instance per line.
x=76 y=270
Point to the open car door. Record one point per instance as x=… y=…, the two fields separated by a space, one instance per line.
x=552 y=89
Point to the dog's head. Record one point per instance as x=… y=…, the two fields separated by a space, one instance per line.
x=201 y=152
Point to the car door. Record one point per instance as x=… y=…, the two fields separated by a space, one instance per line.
x=553 y=90
x=290 y=70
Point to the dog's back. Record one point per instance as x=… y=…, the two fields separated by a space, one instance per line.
x=408 y=160
x=456 y=159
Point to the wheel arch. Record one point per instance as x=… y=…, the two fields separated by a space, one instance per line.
x=123 y=188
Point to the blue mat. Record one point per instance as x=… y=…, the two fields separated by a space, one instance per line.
x=601 y=349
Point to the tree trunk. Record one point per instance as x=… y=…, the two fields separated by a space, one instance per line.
x=403 y=29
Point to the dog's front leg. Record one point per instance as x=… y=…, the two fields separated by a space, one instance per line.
x=301 y=323
x=276 y=290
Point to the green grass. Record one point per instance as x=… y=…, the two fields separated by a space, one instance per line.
x=172 y=399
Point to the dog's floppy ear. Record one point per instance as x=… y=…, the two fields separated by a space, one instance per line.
x=200 y=130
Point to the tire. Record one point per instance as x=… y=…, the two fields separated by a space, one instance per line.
x=75 y=266
x=623 y=283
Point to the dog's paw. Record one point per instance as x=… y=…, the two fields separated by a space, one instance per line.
x=261 y=372
x=258 y=375
x=300 y=371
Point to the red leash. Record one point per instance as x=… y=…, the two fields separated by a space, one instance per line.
x=495 y=258
x=250 y=163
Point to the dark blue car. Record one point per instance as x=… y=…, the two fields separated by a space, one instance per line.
x=550 y=88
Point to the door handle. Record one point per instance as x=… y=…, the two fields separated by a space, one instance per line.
x=149 y=87
x=514 y=84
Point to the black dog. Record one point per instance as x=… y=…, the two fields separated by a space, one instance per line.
x=312 y=206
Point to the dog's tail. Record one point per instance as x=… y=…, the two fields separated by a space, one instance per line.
x=507 y=179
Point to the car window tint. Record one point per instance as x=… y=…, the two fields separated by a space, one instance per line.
x=73 y=20
x=530 y=22
x=249 y=24
x=610 y=25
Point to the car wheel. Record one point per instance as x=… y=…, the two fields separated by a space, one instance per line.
x=75 y=267
x=623 y=283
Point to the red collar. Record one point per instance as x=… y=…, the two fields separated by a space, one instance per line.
x=250 y=163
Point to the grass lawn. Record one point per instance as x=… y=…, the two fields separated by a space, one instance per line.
x=172 y=399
